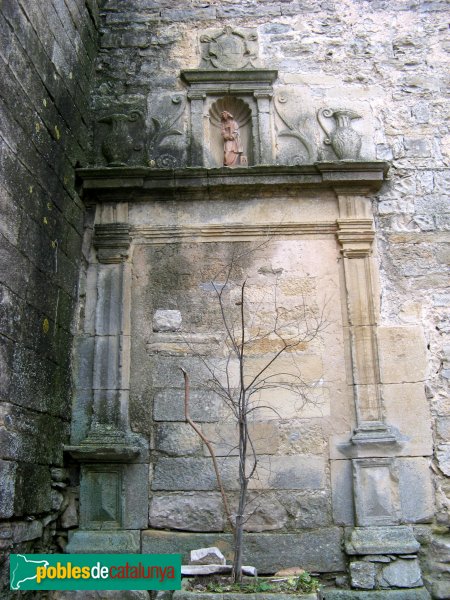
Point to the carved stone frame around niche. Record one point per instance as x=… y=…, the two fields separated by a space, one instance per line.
x=254 y=87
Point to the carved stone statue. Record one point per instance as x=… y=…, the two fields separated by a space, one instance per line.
x=232 y=148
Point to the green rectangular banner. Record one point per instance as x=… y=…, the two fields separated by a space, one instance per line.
x=95 y=571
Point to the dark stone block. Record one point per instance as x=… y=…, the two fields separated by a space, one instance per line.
x=412 y=594
x=33 y=489
x=15 y=268
x=318 y=550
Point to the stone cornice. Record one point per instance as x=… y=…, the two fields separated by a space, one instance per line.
x=220 y=77
x=133 y=184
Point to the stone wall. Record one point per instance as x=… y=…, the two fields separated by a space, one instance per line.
x=387 y=61
x=47 y=53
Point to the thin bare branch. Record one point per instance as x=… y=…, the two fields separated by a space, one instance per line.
x=208 y=444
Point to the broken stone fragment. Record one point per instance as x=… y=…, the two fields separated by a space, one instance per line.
x=194 y=570
x=207 y=556
x=290 y=572
x=167 y=320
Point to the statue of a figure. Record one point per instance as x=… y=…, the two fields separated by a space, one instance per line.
x=232 y=148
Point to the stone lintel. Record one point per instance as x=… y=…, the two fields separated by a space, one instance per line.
x=84 y=541
x=398 y=539
x=103 y=453
x=131 y=184
x=218 y=76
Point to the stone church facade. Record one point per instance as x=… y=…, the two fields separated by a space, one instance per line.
x=125 y=246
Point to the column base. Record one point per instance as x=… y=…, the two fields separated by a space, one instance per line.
x=373 y=433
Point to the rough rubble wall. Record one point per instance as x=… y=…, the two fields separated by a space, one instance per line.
x=46 y=56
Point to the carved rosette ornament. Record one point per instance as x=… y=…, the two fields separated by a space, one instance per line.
x=229 y=48
x=344 y=140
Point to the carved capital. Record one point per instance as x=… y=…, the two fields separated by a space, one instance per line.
x=112 y=242
x=196 y=95
x=267 y=94
x=356 y=237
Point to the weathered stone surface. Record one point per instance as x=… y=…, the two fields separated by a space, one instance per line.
x=342 y=492
x=207 y=556
x=317 y=551
x=177 y=439
x=307 y=509
x=7 y=490
x=212 y=569
x=104 y=542
x=413 y=594
x=414 y=474
x=69 y=517
x=443 y=457
x=381 y=540
x=265 y=512
x=401 y=574
x=277 y=472
x=105 y=594
x=413 y=425
x=362 y=575
x=26 y=530
x=402 y=354
x=168 y=405
x=376 y=491
x=188 y=511
x=265 y=438
x=167 y=320
x=440 y=589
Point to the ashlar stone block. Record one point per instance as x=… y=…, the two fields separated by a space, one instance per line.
x=376 y=491
x=168 y=405
x=342 y=492
x=177 y=439
x=381 y=540
x=415 y=474
x=188 y=511
x=316 y=550
x=407 y=410
x=402 y=352
x=265 y=438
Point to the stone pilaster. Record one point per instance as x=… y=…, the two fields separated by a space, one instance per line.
x=382 y=551
x=263 y=98
x=355 y=235
x=196 y=134
x=113 y=485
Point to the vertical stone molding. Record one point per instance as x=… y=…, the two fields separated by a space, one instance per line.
x=112 y=330
x=112 y=457
x=355 y=235
x=263 y=99
x=196 y=147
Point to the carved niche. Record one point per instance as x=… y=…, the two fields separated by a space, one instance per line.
x=229 y=80
x=241 y=115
